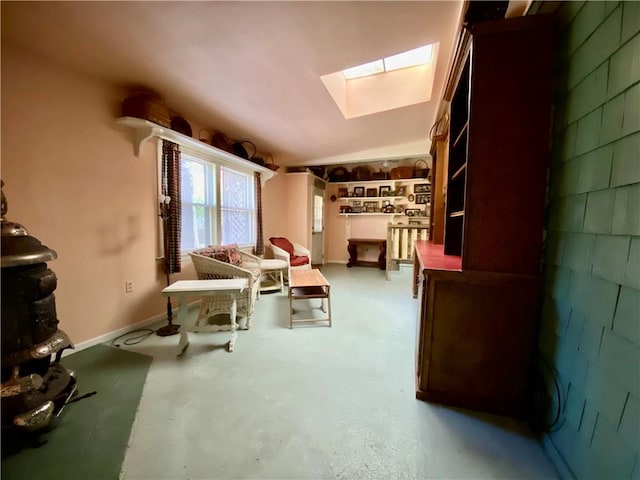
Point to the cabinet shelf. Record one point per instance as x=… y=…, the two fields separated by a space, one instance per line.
x=461 y=134
x=460 y=171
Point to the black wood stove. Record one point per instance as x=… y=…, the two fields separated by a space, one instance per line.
x=35 y=386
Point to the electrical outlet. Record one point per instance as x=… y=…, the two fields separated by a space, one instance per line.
x=128 y=286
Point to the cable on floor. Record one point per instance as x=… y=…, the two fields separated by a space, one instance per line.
x=140 y=335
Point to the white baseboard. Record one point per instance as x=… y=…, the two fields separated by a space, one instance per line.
x=121 y=331
x=556 y=459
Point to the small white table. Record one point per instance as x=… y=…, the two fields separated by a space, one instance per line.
x=272 y=267
x=184 y=288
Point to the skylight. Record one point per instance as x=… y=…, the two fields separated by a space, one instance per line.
x=391 y=82
x=411 y=58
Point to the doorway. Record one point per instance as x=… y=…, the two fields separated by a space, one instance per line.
x=317 y=230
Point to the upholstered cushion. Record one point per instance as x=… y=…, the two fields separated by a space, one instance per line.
x=297 y=260
x=234 y=254
x=223 y=253
x=282 y=243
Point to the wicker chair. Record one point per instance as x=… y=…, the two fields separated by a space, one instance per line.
x=208 y=268
x=296 y=256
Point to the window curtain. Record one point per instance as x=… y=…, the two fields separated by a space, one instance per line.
x=259 y=234
x=171 y=212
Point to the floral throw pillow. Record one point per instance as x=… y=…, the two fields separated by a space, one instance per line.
x=223 y=253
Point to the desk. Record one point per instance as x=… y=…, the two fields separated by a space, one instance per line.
x=184 y=288
x=307 y=284
x=354 y=243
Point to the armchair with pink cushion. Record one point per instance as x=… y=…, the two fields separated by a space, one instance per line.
x=296 y=256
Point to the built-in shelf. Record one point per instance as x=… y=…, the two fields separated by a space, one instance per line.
x=383 y=182
x=144 y=130
x=346 y=199
x=460 y=171
x=375 y=214
x=461 y=134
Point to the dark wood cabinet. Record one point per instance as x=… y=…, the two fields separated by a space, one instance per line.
x=479 y=291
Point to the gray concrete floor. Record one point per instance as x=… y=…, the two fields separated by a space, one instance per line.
x=316 y=402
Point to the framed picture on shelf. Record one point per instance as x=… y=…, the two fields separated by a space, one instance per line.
x=371 y=207
x=421 y=188
x=385 y=191
x=422 y=198
x=388 y=208
x=358 y=191
x=343 y=192
x=401 y=191
x=415 y=222
x=372 y=192
x=386 y=202
x=345 y=209
x=412 y=212
x=355 y=209
x=357 y=203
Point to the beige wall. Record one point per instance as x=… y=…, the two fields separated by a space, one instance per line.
x=71 y=178
x=299 y=189
x=275 y=218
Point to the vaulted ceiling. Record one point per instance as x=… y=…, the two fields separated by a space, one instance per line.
x=251 y=69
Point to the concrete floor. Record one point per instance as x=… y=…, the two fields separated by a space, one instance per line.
x=316 y=402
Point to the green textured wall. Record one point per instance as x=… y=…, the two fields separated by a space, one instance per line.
x=590 y=334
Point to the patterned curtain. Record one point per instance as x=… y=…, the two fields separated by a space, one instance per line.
x=171 y=214
x=259 y=234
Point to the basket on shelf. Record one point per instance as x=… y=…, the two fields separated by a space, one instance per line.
x=148 y=106
x=339 y=174
x=420 y=172
x=221 y=141
x=379 y=175
x=399 y=173
x=272 y=165
x=361 y=174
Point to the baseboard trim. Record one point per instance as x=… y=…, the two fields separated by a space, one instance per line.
x=121 y=331
x=563 y=470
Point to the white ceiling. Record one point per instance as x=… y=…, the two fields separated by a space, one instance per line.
x=251 y=69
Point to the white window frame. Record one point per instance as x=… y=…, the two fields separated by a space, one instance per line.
x=251 y=201
x=216 y=160
x=211 y=198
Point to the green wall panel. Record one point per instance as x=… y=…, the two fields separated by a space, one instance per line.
x=626 y=161
x=590 y=328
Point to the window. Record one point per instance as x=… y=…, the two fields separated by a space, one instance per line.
x=237 y=207
x=318 y=208
x=197 y=184
x=411 y=58
x=215 y=212
x=385 y=84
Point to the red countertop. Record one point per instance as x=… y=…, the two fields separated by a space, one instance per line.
x=432 y=257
